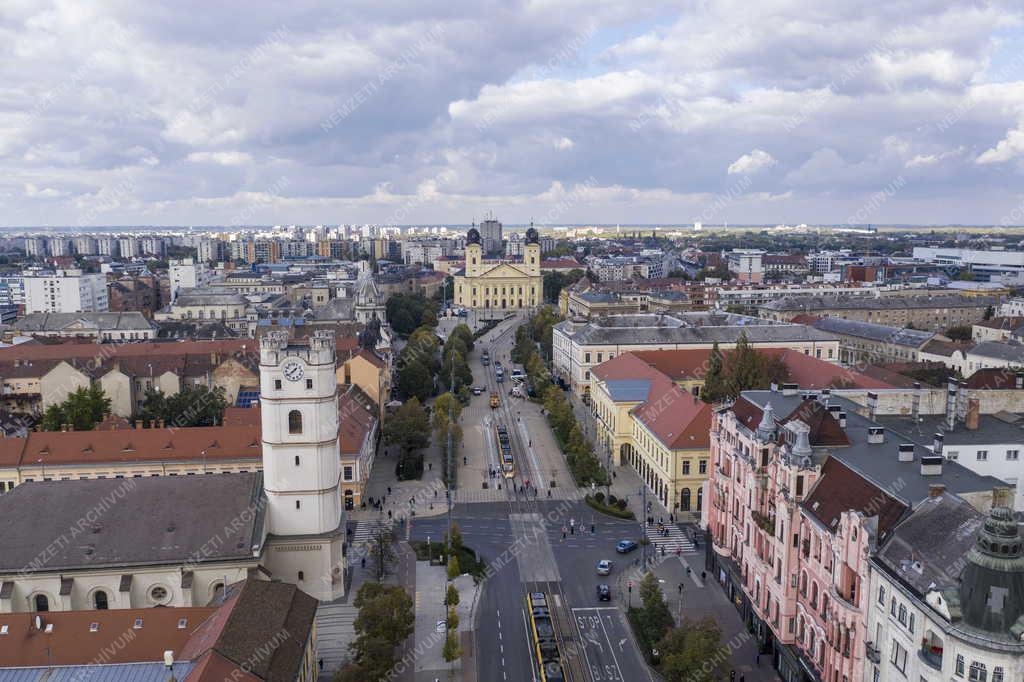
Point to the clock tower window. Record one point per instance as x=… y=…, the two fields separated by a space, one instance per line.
x=294 y=422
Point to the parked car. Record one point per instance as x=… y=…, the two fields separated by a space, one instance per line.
x=604 y=567
x=604 y=593
x=478 y=390
x=625 y=546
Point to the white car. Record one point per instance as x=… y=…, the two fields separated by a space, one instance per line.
x=604 y=567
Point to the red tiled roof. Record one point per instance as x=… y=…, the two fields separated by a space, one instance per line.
x=212 y=667
x=72 y=643
x=825 y=430
x=804 y=318
x=997 y=378
x=627 y=366
x=370 y=357
x=1006 y=323
x=355 y=423
x=561 y=263
x=747 y=413
x=676 y=417
x=809 y=372
x=841 y=489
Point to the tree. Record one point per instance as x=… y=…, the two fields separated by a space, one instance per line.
x=451 y=649
x=385 y=619
x=409 y=429
x=462 y=331
x=452 y=617
x=715 y=382
x=382 y=551
x=451 y=596
x=966 y=276
x=428 y=318
x=554 y=282
x=989 y=313
x=443 y=427
x=959 y=333
x=456 y=539
x=687 y=650
x=745 y=367
x=414 y=381
x=453 y=567
x=83 y=409
x=192 y=406
x=654 y=617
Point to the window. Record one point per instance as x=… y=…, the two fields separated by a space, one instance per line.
x=277 y=384
x=686 y=467
x=703 y=466
x=959 y=665
x=99 y=601
x=982 y=455
x=348 y=473
x=997 y=674
x=881 y=595
x=898 y=657
x=953 y=454
x=978 y=673
x=294 y=422
x=1012 y=456
x=298 y=504
x=158 y=594
x=309 y=384
x=296 y=460
x=138 y=624
x=902 y=616
x=586 y=358
x=892 y=607
x=301 y=575
x=42 y=603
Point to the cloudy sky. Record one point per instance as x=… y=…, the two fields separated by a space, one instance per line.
x=182 y=112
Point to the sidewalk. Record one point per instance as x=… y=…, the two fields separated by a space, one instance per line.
x=430 y=617
x=427 y=494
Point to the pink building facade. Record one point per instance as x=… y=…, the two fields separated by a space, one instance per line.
x=792 y=526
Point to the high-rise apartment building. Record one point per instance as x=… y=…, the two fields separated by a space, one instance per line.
x=490 y=237
x=66 y=291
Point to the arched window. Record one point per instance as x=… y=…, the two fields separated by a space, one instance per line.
x=294 y=422
x=686 y=499
x=700 y=499
x=42 y=603
x=217 y=590
x=99 y=601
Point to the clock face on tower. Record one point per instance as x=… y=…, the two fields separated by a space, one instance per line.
x=293 y=370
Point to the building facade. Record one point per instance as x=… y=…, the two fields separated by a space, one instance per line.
x=495 y=288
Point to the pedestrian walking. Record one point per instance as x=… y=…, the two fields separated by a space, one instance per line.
x=703 y=577
x=732 y=675
x=389 y=490
x=742 y=678
x=757 y=658
x=430 y=466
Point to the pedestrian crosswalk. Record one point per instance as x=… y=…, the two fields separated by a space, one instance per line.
x=495 y=495
x=673 y=540
x=363 y=537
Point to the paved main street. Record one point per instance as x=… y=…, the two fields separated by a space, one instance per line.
x=519 y=536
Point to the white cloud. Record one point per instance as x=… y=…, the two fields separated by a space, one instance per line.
x=221 y=158
x=1008 y=148
x=752 y=162
x=564 y=144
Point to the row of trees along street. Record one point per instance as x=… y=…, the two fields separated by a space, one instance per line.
x=533 y=339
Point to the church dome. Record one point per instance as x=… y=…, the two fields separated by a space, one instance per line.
x=473 y=236
x=532 y=236
x=992 y=583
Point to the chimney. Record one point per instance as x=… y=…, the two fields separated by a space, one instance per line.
x=872 y=405
x=951 y=389
x=973 y=414
x=842 y=419
x=774 y=387
x=826 y=394
x=936 y=489
x=937 y=444
x=162 y=424
x=961 y=400
x=790 y=389
x=152 y=423
x=915 y=403
x=834 y=410
x=138 y=424
x=906 y=452
x=931 y=465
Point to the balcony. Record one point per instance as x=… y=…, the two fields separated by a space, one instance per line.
x=764 y=522
x=930 y=658
x=843 y=600
x=872 y=652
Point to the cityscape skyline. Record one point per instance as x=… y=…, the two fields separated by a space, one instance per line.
x=644 y=114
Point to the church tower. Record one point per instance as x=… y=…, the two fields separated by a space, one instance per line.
x=531 y=252
x=474 y=253
x=301 y=462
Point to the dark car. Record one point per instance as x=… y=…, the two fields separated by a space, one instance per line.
x=625 y=546
x=604 y=593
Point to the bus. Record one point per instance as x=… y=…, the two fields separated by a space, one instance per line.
x=545 y=644
x=508 y=465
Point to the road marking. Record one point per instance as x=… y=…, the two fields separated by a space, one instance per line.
x=524 y=435
x=612 y=650
x=529 y=646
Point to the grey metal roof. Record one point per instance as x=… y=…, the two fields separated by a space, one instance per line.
x=121 y=672
x=193 y=297
x=899 y=336
x=879 y=462
x=812 y=303
x=1002 y=351
x=40 y=322
x=927 y=548
x=990 y=430
x=790 y=333
x=65 y=525
x=628 y=390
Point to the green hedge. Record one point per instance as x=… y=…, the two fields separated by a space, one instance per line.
x=610 y=511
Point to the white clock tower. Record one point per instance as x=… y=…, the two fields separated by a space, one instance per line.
x=301 y=463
